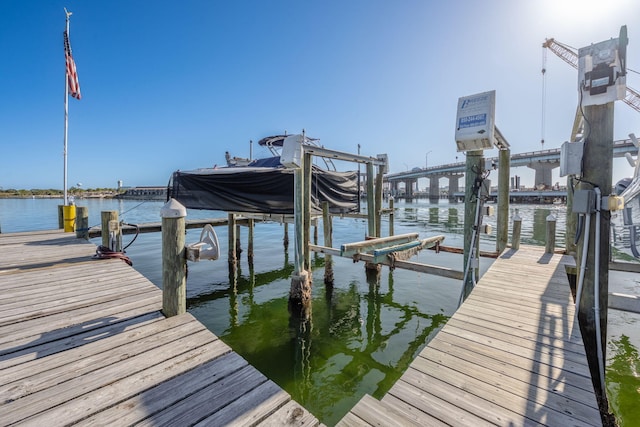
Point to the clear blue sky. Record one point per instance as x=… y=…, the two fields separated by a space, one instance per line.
x=170 y=85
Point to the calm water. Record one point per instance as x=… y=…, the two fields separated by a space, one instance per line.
x=362 y=333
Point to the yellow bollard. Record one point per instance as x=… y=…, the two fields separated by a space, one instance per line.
x=69 y=218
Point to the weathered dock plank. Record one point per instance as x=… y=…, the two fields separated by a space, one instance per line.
x=511 y=355
x=83 y=341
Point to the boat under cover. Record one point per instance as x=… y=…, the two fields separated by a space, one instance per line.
x=264 y=186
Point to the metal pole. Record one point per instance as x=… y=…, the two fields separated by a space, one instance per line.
x=66 y=117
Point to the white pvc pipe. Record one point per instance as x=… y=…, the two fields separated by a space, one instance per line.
x=596 y=289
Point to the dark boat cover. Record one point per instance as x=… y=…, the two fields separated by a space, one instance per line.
x=261 y=189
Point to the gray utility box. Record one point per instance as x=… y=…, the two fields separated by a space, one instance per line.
x=571 y=158
x=584 y=201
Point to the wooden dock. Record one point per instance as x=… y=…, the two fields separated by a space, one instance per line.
x=83 y=341
x=512 y=355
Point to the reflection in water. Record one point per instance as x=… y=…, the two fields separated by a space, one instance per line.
x=364 y=330
x=301 y=337
x=453 y=217
x=540 y=225
x=434 y=214
x=234 y=272
x=623 y=380
x=358 y=339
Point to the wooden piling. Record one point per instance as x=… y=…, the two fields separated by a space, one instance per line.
x=372 y=217
x=371 y=205
x=250 y=226
x=82 y=222
x=174 y=271
x=328 y=242
x=378 y=201
x=106 y=217
x=300 y=291
x=306 y=195
x=550 y=242
x=391 y=230
x=285 y=239
x=597 y=169
x=474 y=168
x=238 y=242
x=517 y=228
x=60 y=217
x=502 y=220
x=231 y=227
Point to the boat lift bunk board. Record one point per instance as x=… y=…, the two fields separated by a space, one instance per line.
x=392 y=251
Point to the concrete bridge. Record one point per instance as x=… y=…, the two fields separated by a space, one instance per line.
x=543 y=162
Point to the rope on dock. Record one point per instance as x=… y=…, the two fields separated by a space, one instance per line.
x=104 y=252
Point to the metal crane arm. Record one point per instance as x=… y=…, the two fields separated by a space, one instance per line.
x=562 y=51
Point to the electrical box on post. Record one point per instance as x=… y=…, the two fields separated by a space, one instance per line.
x=485 y=188
x=584 y=201
x=602 y=70
x=571 y=158
x=475 y=121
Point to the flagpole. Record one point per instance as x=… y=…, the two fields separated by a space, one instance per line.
x=66 y=117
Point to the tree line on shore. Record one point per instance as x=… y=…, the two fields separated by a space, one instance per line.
x=74 y=191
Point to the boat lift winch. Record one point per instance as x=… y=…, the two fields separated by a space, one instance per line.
x=207 y=248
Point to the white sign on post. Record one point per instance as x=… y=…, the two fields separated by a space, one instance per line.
x=475 y=121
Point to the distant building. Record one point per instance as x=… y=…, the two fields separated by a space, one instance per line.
x=144 y=193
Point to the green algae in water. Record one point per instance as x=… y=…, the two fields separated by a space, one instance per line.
x=359 y=339
x=623 y=382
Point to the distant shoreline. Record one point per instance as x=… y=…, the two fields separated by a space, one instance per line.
x=57 y=196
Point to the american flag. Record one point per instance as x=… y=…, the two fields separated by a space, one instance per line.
x=72 y=74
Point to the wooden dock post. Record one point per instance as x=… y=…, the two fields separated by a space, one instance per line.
x=328 y=242
x=300 y=291
x=250 y=225
x=502 y=221
x=238 y=242
x=474 y=169
x=597 y=170
x=174 y=263
x=550 y=243
x=60 y=217
x=517 y=228
x=372 y=217
x=391 y=230
x=233 y=254
x=306 y=194
x=378 y=201
x=106 y=217
x=82 y=222
x=285 y=238
x=371 y=205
